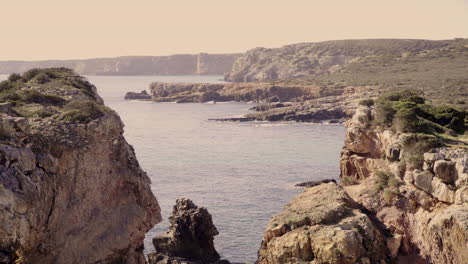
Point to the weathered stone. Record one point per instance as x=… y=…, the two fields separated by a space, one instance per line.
x=321 y=225
x=190 y=236
x=423 y=180
x=433 y=157
x=441 y=191
x=68 y=194
x=446 y=171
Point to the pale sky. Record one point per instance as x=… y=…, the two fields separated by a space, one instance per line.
x=76 y=29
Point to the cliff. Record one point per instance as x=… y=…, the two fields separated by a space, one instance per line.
x=184 y=64
x=402 y=196
x=71 y=189
x=305 y=59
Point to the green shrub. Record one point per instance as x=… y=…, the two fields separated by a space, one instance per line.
x=348 y=180
x=388 y=183
x=15 y=77
x=42 y=78
x=415 y=145
x=5 y=85
x=384 y=113
x=31 y=96
x=30 y=74
x=407 y=112
x=83 y=111
x=367 y=102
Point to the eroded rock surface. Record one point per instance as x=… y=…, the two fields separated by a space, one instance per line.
x=190 y=237
x=322 y=225
x=419 y=197
x=71 y=189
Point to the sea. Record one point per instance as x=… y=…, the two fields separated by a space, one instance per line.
x=242 y=172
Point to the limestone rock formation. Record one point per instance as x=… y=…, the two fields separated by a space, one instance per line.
x=421 y=198
x=322 y=225
x=71 y=189
x=190 y=237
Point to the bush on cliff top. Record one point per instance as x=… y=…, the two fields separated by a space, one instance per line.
x=31 y=96
x=83 y=111
x=405 y=111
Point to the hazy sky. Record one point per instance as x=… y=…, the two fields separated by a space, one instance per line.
x=70 y=29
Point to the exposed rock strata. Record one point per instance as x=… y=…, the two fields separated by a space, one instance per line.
x=190 y=237
x=71 y=189
x=388 y=209
x=427 y=206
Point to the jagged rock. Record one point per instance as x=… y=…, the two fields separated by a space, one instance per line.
x=423 y=180
x=322 y=225
x=71 y=190
x=447 y=235
x=433 y=157
x=143 y=95
x=442 y=191
x=446 y=171
x=427 y=213
x=190 y=236
x=393 y=244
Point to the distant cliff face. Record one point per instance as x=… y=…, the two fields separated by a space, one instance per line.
x=306 y=59
x=185 y=64
x=71 y=189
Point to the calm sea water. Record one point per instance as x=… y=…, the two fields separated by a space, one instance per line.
x=243 y=173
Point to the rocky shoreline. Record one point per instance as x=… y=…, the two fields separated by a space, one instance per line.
x=301 y=103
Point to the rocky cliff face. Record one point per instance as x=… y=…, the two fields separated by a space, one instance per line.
x=401 y=199
x=420 y=197
x=322 y=225
x=184 y=64
x=71 y=189
x=306 y=59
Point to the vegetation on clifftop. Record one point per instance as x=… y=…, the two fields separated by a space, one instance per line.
x=405 y=111
x=58 y=93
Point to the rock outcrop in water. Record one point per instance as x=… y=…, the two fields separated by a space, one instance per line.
x=143 y=95
x=71 y=189
x=183 y=64
x=190 y=237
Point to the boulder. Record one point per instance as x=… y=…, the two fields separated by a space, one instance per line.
x=446 y=171
x=190 y=236
x=322 y=225
x=423 y=180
